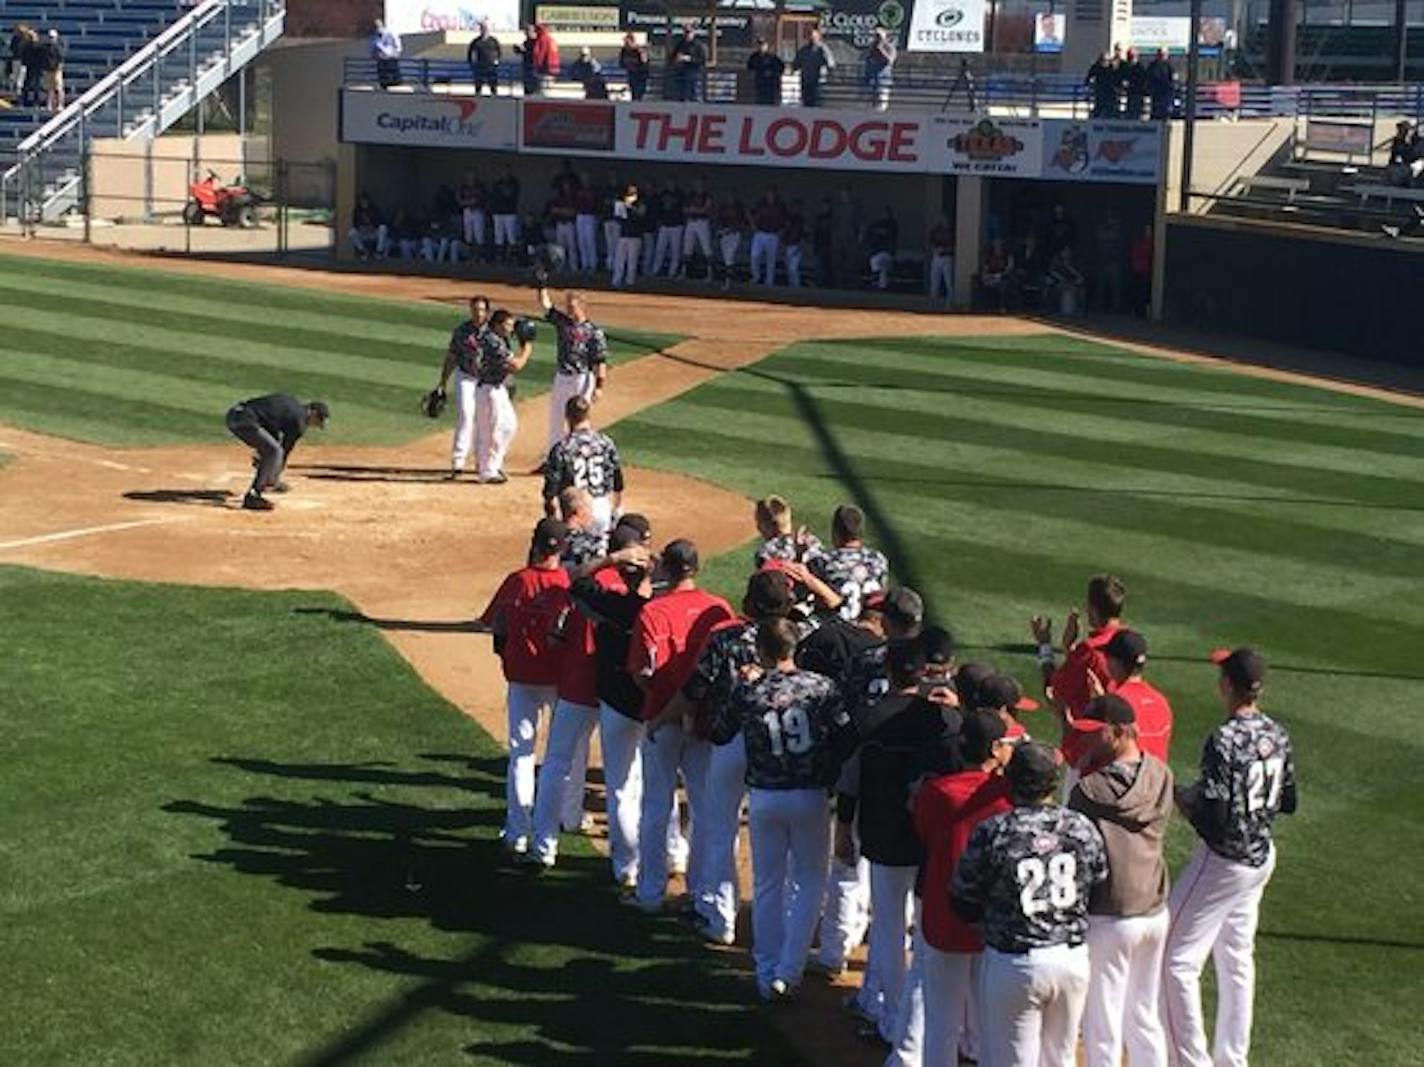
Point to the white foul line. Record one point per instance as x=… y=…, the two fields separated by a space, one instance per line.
x=69 y=535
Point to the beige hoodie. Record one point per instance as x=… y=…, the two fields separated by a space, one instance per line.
x=1130 y=804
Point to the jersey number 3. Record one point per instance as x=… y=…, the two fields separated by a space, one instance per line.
x=1060 y=877
x=789 y=730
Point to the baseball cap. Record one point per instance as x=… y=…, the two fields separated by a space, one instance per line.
x=1033 y=770
x=901 y=605
x=636 y=522
x=1106 y=710
x=624 y=536
x=938 y=644
x=1002 y=691
x=1245 y=667
x=769 y=593
x=1128 y=647
x=967 y=680
x=319 y=409
x=904 y=661
x=679 y=558
x=550 y=536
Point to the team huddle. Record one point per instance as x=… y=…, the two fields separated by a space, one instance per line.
x=1014 y=893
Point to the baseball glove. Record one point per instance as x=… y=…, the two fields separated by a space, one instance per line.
x=433 y=403
x=526 y=330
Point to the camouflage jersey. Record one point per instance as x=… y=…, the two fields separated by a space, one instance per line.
x=1029 y=871
x=784 y=548
x=495 y=363
x=793 y=728
x=583 y=545
x=582 y=345
x=586 y=459
x=1246 y=765
x=865 y=679
x=854 y=573
x=465 y=346
x=717 y=674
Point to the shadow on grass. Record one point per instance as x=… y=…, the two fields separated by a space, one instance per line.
x=547 y=969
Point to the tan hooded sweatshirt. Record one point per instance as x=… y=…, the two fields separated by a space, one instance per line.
x=1130 y=804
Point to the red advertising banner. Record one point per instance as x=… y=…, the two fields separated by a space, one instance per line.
x=562 y=125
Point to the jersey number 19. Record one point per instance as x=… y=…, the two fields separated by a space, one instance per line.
x=789 y=730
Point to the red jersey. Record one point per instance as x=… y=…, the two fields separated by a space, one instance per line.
x=525 y=610
x=1154 y=716
x=578 y=665
x=1070 y=681
x=946 y=811
x=667 y=637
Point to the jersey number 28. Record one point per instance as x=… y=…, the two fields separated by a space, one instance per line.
x=789 y=730
x=1059 y=876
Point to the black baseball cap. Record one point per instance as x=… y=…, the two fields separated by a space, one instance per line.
x=904 y=661
x=637 y=522
x=1129 y=648
x=1245 y=667
x=624 y=535
x=550 y=536
x=1110 y=710
x=680 y=558
x=1033 y=770
x=769 y=593
x=938 y=644
x=967 y=680
x=1002 y=691
x=901 y=605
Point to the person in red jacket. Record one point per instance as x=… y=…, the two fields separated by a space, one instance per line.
x=520 y=616
x=1067 y=686
x=946 y=810
x=1124 y=659
x=670 y=632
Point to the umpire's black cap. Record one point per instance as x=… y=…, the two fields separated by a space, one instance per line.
x=1033 y=771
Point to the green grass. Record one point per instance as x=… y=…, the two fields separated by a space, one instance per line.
x=239 y=830
x=129 y=356
x=1000 y=474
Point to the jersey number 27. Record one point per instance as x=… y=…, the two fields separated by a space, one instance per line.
x=1263 y=783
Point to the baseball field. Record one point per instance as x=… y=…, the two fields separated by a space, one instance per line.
x=253 y=774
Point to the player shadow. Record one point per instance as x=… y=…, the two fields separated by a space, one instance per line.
x=425 y=626
x=484 y=776
x=334 y=472
x=1328 y=939
x=215 y=498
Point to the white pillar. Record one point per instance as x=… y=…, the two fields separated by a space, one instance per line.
x=969 y=205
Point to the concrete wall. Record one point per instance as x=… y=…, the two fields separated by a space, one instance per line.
x=1222 y=151
x=127 y=176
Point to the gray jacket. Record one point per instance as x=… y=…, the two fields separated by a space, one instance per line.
x=1130 y=803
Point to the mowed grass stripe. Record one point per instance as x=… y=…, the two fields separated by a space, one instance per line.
x=77 y=412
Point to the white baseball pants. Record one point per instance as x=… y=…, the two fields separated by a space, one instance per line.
x=892 y=891
x=465 y=404
x=625 y=261
x=669 y=240
x=560 y=793
x=726 y=786
x=764 y=248
x=371 y=242
x=567 y=240
x=697 y=233
x=1214 y=907
x=523 y=704
x=565 y=388
x=1030 y=1006
x=620 y=738
x=495 y=426
x=846 y=915
x=1124 y=990
x=602 y=508
x=791 y=849
x=473 y=220
x=942 y=277
x=672 y=749
x=937 y=1008
x=793 y=265
x=586 y=236
x=506 y=230
x=880 y=264
x=612 y=234
x=729 y=242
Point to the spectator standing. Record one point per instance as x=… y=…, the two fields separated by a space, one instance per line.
x=941 y=247
x=385 y=46
x=631 y=215
x=814 y=63
x=1109 y=261
x=879 y=67
x=732 y=223
x=504 y=206
x=546 y=56
x=1102 y=80
x=1139 y=265
x=54 y=50
x=1160 y=82
x=369 y=234
x=584 y=67
x=1134 y=86
x=633 y=58
x=483 y=56
x=686 y=62
x=671 y=220
x=882 y=237
x=793 y=236
x=15 y=58
x=32 y=58
x=767 y=219
x=766 y=69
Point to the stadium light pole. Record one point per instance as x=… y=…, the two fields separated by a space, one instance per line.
x=1189 y=116
x=1401 y=41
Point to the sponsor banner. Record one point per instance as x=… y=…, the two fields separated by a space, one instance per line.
x=426 y=121
x=1007 y=148
x=646 y=16
x=855 y=21
x=1048 y=31
x=562 y=18
x=1349 y=138
x=435 y=16
x=566 y=126
x=947 y=26
x=1102 y=151
x=1149 y=33
x=768 y=137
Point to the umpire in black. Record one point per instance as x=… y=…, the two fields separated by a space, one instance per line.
x=272 y=425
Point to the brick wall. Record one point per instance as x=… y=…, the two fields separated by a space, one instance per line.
x=331 y=18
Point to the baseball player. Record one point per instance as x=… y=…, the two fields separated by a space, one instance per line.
x=462 y=357
x=794 y=729
x=697 y=234
x=781 y=539
x=1247 y=779
x=662 y=654
x=588 y=460
x=727 y=650
x=520 y=616
x=945 y=811
x=272 y=425
x=1025 y=878
x=1124 y=659
x=587 y=539
x=1129 y=799
x=495 y=367
x=582 y=367
x=850 y=567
